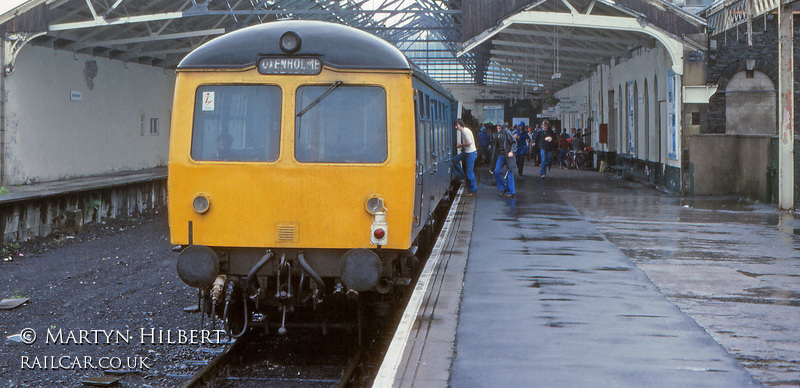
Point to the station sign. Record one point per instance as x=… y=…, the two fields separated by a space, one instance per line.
x=289 y=65
x=571 y=105
x=572 y=100
x=572 y=109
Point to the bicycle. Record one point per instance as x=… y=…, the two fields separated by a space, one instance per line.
x=576 y=159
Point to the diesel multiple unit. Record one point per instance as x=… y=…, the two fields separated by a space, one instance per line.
x=306 y=159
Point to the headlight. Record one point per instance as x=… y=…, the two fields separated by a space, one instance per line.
x=290 y=42
x=200 y=204
x=374 y=205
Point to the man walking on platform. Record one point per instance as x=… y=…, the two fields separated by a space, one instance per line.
x=503 y=156
x=535 y=145
x=546 y=141
x=469 y=154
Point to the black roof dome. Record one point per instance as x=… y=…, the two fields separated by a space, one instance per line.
x=338 y=46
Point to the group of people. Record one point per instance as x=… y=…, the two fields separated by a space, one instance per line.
x=506 y=148
x=576 y=143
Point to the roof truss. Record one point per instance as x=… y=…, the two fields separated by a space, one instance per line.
x=160 y=32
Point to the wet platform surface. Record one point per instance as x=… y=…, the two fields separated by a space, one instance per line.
x=586 y=280
x=732 y=266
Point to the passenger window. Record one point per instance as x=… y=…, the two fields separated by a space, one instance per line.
x=340 y=124
x=421 y=99
x=236 y=123
x=418 y=131
x=441 y=129
x=434 y=130
x=445 y=128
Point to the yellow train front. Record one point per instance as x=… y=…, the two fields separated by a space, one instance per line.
x=305 y=160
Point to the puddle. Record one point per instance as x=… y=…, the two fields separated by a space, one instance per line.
x=562 y=324
x=715 y=203
x=785 y=222
x=538 y=282
x=615 y=269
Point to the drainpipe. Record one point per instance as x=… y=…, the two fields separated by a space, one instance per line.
x=3 y=112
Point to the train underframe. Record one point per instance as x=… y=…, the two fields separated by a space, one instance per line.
x=278 y=289
x=306 y=288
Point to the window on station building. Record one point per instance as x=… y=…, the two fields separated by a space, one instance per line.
x=696 y=118
x=342 y=124
x=154 y=126
x=236 y=123
x=493 y=114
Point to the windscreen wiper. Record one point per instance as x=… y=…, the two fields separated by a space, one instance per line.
x=317 y=101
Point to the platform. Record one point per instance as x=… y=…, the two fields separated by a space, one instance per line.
x=38 y=209
x=81 y=184
x=547 y=301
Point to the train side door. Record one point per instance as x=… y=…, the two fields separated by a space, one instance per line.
x=419 y=132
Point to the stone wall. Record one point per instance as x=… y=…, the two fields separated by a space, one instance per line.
x=728 y=54
x=724 y=164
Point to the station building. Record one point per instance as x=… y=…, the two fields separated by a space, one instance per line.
x=74 y=113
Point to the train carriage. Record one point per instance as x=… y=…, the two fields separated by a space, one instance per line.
x=305 y=160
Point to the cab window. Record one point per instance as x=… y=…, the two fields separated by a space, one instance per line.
x=340 y=124
x=236 y=123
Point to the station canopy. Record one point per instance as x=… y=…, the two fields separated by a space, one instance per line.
x=514 y=46
x=547 y=45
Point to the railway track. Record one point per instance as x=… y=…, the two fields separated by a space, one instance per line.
x=250 y=362
x=303 y=359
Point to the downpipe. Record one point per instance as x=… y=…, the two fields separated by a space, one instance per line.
x=3 y=102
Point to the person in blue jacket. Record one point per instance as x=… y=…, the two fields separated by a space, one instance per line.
x=522 y=137
x=484 y=139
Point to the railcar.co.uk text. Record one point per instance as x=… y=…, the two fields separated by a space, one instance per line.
x=144 y=336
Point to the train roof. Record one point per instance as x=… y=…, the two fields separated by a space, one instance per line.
x=336 y=45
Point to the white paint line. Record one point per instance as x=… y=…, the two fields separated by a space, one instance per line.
x=394 y=355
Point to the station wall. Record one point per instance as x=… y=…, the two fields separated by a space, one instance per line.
x=70 y=115
x=467 y=95
x=637 y=127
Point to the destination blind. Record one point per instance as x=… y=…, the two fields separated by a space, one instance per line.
x=289 y=65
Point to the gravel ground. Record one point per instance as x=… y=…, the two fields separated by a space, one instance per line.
x=104 y=298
